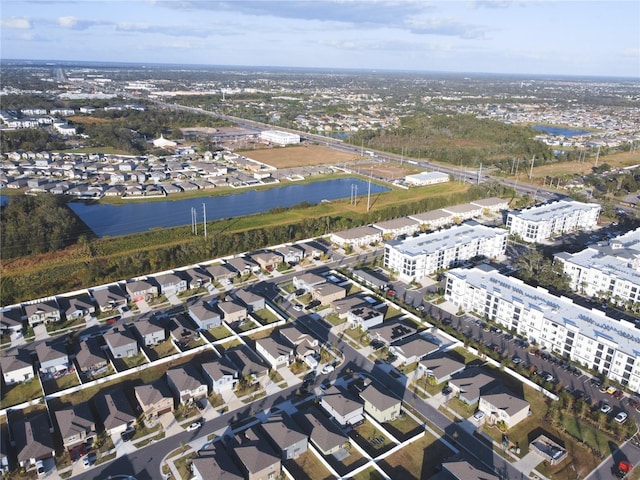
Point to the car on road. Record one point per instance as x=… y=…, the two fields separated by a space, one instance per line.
x=605 y=408
x=297 y=308
x=479 y=415
x=328 y=369
x=86 y=463
x=549 y=378
x=621 y=417
x=194 y=426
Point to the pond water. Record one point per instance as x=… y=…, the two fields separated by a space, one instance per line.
x=140 y=216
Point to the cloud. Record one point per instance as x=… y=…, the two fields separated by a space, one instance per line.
x=447 y=27
x=21 y=23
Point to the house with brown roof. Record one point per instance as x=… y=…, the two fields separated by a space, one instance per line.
x=247 y=362
x=325 y=435
x=90 y=357
x=342 y=407
x=110 y=297
x=268 y=261
x=232 y=312
x=121 y=343
x=76 y=425
x=141 y=290
x=307 y=281
x=256 y=457
x=215 y=463
x=304 y=343
x=504 y=407
x=155 y=398
x=380 y=404
x=187 y=383
x=286 y=436
x=197 y=277
x=32 y=439
x=221 y=271
x=243 y=265
x=52 y=356
x=471 y=383
x=414 y=348
x=328 y=293
x=151 y=331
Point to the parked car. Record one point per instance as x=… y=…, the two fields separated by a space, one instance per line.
x=621 y=417
x=40 y=468
x=618 y=394
x=194 y=426
x=517 y=360
x=605 y=408
x=479 y=415
x=328 y=369
x=86 y=463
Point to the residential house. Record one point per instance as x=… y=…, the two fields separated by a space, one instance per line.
x=312 y=249
x=11 y=319
x=392 y=331
x=215 y=463
x=286 y=436
x=42 y=312
x=247 y=362
x=464 y=211
x=141 y=290
x=90 y=357
x=471 y=383
x=341 y=407
x=205 y=315
x=4 y=449
x=243 y=265
x=221 y=375
x=155 y=398
x=291 y=254
x=492 y=204
x=357 y=237
x=232 y=312
x=268 y=261
x=307 y=281
x=304 y=343
x=151 y=331
x=328 y=293
x=275 y=350
x=109 y=298
x=504 y=407
x=182 y=330
x=252 y=301
x=52 y=356
x=256 y=457
x=371 y=278
x=76 y=425
x=172 y=283
x=121 y=343
x=32 y=439
x=364 y=316
x=397 y=226
x=415 y=348
x=76 y=307
x=440 y=367
x=343 y=306
x=381 y=405
x=16 y=365
x=325 y=435
x=221 y=272
x=186 y=383
x=197 y=277
x=115 y=411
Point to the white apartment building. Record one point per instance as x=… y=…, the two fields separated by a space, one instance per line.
x=610 y=270
x=586 y=336
x=281 y=138
x=541 y=222
x=417 y=257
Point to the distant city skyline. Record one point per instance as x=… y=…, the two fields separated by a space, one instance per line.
x=572 y=38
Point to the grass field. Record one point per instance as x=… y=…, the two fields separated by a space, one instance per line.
x=299 y=156
x=418 y=460
x=308 y=467
x=390 y=170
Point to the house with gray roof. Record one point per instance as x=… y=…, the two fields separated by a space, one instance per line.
x=115 y=411
x=492 y=204
x=187 y=383
x=221 y=271
x=397 y=226
x=16 y=365
x=342 y=407
x=414 y=348
x=197 y=277
x=304 y=343
x=52 y=356
x=380 y=404
x=307 y=281
x=110 y=297
x=183 y=330
x=286 y=436
x=440 y=367
x=463 y=470
x=247 y=362
x=357 y=237
x=268 y=261
x=76 y=307
x=364 y=316
x=141 y=290
x=121 y=343
x=232 y=311
x=171 y=283
x=312 y=249
x=392 y=331
x=76 y=425
x=291 y=254
x=471 y=383
x=243 y=265
x=221 y=375
x=42 y=312
x=325 y=435
x=504 y=407
x=90 y=357
x=277 y=351
x=11 y=319
x=205 y=314
x=253 y=301
x=464 y=211
x=151 y=331
x=328 y=293
x=215 y=463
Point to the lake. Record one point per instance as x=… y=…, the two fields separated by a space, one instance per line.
x=139 y=216
x=565 y=132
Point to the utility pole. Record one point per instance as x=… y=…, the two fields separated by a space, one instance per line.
x=479 y=173
x=531 y=170
x=369 y=190
x=204 y=221
x=597 y=156
x=194 y=224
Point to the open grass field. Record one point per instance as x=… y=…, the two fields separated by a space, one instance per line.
x=299 y=156
x=417 y=460
x=390 y=170
x=308 y=467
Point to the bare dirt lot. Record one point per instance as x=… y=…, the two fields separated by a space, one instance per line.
x=389 y=170
x=289 y=157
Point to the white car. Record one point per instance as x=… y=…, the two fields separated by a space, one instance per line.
x=621 y=417
x=297 y=308
x=194 y=426
x=328 y=369
x=479 y=415
x=40 y=468
x=605 y=408
x=86 y=463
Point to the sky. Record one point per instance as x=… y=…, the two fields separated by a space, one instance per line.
x=557 y=37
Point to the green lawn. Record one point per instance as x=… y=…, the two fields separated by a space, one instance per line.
x=164 y=349
x=132 y=362
x=218 y=333
x=417 y=460
x=368 y=474
x=266 y=316
x=61 y=383
x=53 y=327
x=248 y=325
x=403 y=426
x=21 y=392
x=334 y=319
x=461 y=408
x=308 y=467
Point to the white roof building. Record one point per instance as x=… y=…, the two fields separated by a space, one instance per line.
x=586 y=336
x=281 y=138
x=417 y=257
x=427 y=178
